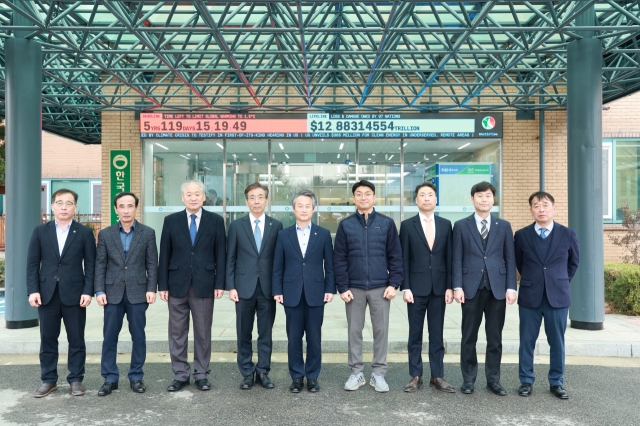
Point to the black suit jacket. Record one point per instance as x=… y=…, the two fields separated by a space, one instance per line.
x=244 y=264
x=469 y=258
x=204 y=261
x=553 y=273
x=425 y=269
x=46 y=266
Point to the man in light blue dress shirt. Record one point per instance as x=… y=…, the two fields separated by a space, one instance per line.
x=303 y=282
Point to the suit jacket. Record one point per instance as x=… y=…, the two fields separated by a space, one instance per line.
x=314 y=272
x=469 y=257
x=46 y=266
x=425 y=269
x=180 y=261
x=553 y=273
x=244 y=264
x=137 y=273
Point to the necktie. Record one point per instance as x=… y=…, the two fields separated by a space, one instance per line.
x=193 y=229
x=429 y=232
x=483 y=230
x=257 y=235
x=543 y=233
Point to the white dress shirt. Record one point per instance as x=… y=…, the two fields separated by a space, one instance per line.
x=62 y=234
x=252 y=219
x=479 y=222
x=198 y=216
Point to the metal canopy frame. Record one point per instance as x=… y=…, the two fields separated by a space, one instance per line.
x=313 y=56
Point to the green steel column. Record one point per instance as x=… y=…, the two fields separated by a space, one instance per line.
x=23 y=72
x=584 y=152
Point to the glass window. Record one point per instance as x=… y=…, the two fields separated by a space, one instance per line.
x=248 y=163
x=626 y=176
x=96 y=197
x=607 y=182
x=454 y=166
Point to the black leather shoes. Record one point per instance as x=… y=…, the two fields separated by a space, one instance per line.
x=467 y=388
x=107 y=388
x=137 y=386
x=247 y=382
x=203 y=384
x=559 y=392
x=296 y=385
x=263 y=380
x=312 y=385
x=497 y=388
x=525 y=389
x=177 y=385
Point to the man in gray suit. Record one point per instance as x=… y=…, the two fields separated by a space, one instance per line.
x=251 y=247
x=484 y=276
x=125 y=283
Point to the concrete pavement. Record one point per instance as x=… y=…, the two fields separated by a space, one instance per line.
x=620 y=337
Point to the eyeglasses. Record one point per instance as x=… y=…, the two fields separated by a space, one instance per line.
x=363 y=195
x=68 y=203
x=254 y=198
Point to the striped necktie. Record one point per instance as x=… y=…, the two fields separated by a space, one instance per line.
x=483 y=230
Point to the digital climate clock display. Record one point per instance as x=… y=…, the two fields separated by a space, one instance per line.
x=321 y=125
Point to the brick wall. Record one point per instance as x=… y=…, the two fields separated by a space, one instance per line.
x=64 y=158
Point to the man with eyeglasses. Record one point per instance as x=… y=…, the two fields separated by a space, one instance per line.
x=250 y=250
x=61 y=288
x=367 y=260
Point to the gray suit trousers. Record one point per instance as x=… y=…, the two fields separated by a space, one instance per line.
x=201 y=309
x=379 y=313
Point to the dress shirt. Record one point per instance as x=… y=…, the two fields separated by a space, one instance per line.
x=126 y=237
x=198 y=216
x=479 y=221
x=549 y=228
x=303 y=237
x=62 y=234
x=252 y=219
x=424 y=224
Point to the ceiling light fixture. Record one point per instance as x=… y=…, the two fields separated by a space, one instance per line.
x=161 y=146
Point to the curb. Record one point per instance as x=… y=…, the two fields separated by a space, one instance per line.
x=585 y=348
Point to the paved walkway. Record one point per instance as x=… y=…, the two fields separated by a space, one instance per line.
x=620 y=337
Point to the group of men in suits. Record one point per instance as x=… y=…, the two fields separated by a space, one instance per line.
x=260 y=263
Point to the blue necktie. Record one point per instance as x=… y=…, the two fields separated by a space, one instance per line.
x=193 y=229
x=543 y=233
x=257 y=235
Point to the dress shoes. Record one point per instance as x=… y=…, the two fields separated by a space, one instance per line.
x=247 y=382
x=497 y=388
x=77 y=389
x=263 y=380
x=177 y=385
x=203 y=384
x=45 y=389
x=441 y=384
x=137 y=386
x=312 y=385
x=467 y=388
x=559 y=392
x=525 y=389
x=107 y=388
x=296 y=385
x=414 y=384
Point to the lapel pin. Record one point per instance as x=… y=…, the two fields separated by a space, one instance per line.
x=315 y=233
x=74 y=232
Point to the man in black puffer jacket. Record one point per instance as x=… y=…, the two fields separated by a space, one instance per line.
x=367 y=259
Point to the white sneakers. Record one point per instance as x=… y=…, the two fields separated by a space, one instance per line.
x=378 y=382
x=355 y=382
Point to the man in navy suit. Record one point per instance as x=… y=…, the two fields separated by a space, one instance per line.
x=484 y=276
x=190 y=275
x=303 y=282
x=427 y=250
x=547 y=257
x=60 y=268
